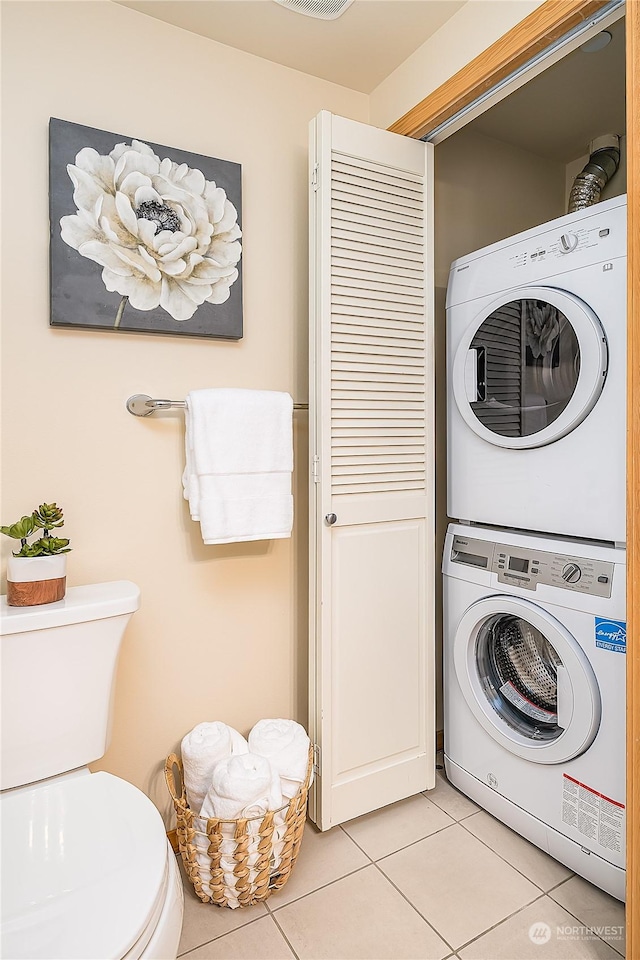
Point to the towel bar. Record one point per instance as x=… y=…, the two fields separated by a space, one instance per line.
x=140 y=405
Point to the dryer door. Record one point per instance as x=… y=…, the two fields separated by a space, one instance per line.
x=530 y=367
x=526 y=679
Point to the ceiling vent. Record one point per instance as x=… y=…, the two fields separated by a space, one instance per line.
x=320 y=9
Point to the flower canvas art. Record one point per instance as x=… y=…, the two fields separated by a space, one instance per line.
x=144 y=237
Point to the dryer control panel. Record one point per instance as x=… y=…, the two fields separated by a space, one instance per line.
x=524 y=567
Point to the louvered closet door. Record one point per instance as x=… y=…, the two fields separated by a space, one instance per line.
x=372 y=527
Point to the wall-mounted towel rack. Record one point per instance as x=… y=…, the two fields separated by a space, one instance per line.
x=140 y=405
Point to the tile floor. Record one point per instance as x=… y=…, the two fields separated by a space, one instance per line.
x=429 y=878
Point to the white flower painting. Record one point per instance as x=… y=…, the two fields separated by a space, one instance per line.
x=143 y=237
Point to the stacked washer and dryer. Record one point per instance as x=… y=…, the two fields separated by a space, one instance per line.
x=534 y=569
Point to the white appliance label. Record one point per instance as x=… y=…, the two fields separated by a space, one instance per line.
x=611 y=635
x=526 y=706
x=592 y=814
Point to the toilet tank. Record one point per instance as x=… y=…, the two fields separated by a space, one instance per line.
x=57 y=679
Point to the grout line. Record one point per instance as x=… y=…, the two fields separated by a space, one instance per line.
x=610 y=943
x=566 y=880
x=285 y=937
x=205 y=943
x=282 y=906
x=361 y=849
x=508 y=862
x=500 y=922
x=406 y=846
x=414 y=908
x=425 y=793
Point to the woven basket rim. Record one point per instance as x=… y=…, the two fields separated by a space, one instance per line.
x=285 y=806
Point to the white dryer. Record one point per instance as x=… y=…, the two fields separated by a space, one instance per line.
x=534 y=681
x=536 y=331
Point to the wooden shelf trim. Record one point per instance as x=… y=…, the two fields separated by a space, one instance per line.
x=532 y=35
x=633 y=478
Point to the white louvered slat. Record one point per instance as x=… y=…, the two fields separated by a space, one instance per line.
x=348 y=235
x=377 y=329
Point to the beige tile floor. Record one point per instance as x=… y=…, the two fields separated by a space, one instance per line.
x=429 y=878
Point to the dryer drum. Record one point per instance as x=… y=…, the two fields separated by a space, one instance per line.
x=530 y=367
x=518 y=668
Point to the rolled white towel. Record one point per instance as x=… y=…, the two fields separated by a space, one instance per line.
x=286 y=745
x=204 y=747
x=243 y=785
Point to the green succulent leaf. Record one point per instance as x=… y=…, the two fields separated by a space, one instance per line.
x=30 y=550
x=48 y=516
x=21 y=529
x=52 y=545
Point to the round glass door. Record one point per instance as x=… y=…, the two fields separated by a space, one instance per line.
x=518 y=670
x=530 y=368
x=526 y=679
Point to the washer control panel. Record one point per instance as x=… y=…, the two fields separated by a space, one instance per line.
x=523 y=567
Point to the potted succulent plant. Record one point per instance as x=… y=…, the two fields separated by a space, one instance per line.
x=36 y=573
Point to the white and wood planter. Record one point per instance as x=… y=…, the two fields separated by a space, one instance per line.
x=35 y=580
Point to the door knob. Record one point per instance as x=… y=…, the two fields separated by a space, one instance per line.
x=330 y=519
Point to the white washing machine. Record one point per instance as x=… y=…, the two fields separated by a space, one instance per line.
x=536 y=329
x=534 y=679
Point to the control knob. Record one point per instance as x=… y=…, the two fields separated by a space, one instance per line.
x=571 y=573
x=568 y=242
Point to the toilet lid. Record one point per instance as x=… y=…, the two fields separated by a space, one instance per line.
x=85 y=868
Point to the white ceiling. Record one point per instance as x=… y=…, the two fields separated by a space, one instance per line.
x=358 y=50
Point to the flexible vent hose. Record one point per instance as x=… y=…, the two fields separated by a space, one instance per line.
x=603 y=163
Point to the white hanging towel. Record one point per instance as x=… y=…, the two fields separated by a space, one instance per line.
x=239 y=459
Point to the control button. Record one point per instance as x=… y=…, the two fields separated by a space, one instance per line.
x=603 y=579
x=568 y=242
x=502 y=555
x=571 y=573
x=603 y=233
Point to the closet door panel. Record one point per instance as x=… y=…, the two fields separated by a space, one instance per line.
x=371 y=440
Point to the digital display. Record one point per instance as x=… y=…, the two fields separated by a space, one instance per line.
x=518 y=564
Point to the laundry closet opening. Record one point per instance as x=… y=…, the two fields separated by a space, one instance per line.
x=509 y=170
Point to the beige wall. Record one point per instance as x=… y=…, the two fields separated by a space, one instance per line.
x=487 y=190
x=222 y=631
x=477 y=25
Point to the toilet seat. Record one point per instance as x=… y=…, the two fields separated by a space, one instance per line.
x=90 y=869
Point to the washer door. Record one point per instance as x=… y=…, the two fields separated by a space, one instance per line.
x=526 y=680
x=530 y=367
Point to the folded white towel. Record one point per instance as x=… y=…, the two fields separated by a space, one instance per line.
x=242 y=786
x=204 y=747
x=239 y=458
x=286 y=744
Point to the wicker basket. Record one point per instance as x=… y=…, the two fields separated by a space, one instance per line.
x=259 y=863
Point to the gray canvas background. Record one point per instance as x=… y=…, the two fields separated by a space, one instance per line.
x=78 y=295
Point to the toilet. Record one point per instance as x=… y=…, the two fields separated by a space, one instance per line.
x=88 y=873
